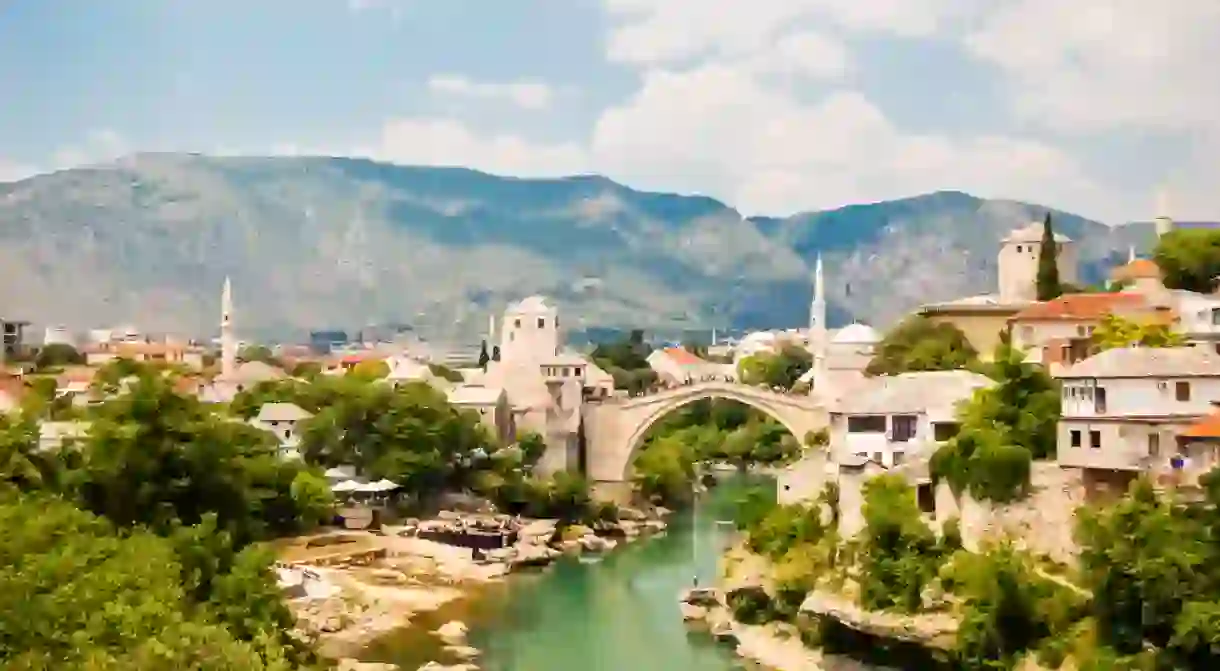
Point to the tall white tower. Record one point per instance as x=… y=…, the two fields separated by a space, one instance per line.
x=817 y=325
x=228 y=341
x=1164 y=222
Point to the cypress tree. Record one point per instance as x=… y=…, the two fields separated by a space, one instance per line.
x=1048 y=286
x=484 y=357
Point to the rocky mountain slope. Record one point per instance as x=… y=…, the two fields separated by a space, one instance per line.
x=318 y=242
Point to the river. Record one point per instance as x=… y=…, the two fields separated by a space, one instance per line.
x=619 y=613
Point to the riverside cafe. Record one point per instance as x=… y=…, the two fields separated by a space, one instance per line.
x=364 y=505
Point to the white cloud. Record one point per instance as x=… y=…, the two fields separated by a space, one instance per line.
x=525 y=93
x=99 y=146
x=447 y=142
x=1107 y=64
x=11 y=171
x=661 y=31
x=718 y=130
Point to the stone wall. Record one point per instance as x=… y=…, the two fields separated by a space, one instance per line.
x=1043 y=522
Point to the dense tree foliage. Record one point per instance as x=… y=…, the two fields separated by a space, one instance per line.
x=780 y=369
x=370 y=370
x=1115 y=331
x=921 y=344
x=1047 y=285
x=57 y=355
x=899 y=554
x=709 y=430
x=627 y=362
x=1002 y=429
x=80 y=596
x=1189 y=259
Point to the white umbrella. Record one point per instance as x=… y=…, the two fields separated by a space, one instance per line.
x=347 y=486
x=384 y=485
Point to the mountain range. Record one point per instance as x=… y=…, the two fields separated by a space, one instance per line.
x=316 y=242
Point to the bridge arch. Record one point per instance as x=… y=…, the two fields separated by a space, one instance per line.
x=619 y=429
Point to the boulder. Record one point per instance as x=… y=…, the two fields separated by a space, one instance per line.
x=462 y=651
x=452 y=632
x=692 y=613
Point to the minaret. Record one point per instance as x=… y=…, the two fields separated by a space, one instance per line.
x=1131 y=254
x=228 y=343
x=491 y=329
x=817 y=326
x=1164 y=223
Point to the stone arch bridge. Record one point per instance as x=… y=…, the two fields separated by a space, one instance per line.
x=615 y=429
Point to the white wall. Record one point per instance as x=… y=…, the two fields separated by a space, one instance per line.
x=529 y=335
x=1121 y=444
x=1139 y=397
x=1036 y=334
x=1018 y=269
x=1199 y=313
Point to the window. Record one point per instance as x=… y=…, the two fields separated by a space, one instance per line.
x=866 y=424
x=511 y=335
x=1215 y=316
x=287 y=433
x=517 y=323
x=565 y=371
x=1095 y=440
x=1075 y=438
x=578 y=371
x=787 y=488
x=1181 y=391
x=877 y=457
x=1154 y=444
x=1018 y=249
x=1080 y=331
x=542 y=322
x=904 y=428
x=1099 y=400
x=897 y=458
x=943 y=431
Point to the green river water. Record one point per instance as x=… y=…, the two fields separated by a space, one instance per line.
x=619 y=613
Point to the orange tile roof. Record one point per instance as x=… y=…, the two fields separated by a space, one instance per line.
x=1083 y=307
x=1137 y=269
x=1208 y=427
x=682 y=356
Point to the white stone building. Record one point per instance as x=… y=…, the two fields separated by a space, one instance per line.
x=490 y=404
x=1018 y=263
x=676 y=365
x=284 y=421
x=891 y=419
x=544 y=387
x=1123 y=409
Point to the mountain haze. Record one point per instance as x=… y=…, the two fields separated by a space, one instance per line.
x=322 y=242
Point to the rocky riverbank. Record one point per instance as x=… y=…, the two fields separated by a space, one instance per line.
x=349 y=588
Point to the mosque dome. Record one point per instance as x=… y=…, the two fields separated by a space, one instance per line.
x=856 y=334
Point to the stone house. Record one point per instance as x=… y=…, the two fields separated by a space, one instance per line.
x=1059 y=331
x=490 y=404
x=99 y=354
x=894 y=422
x=283 y=420
x=1124 y=408
x=677 y=365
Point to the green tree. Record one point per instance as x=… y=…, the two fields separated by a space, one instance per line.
x=1047 y=282
x=370 y=369
x=410 y=435
x=81 y=597
x=258 y=353
x=484 y=357
x=20 y=464
x=1189 y=258
x=57 y=355
x=1002 y=428
x=1115 y=331
x=921 y=344
x=899 y=554
x=157 y=458
x=779 y=369
x=532 y=446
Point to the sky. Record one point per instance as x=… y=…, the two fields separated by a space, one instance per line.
x=772 y=106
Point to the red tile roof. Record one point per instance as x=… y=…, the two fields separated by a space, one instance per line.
x=1137 y=269
x=1084 y=307
x=1208 y=427
x=683 y=357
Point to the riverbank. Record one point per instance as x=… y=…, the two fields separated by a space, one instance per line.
x=349 y=588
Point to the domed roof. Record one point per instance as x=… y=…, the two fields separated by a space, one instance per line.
x=856 y=334
x=532 y=304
